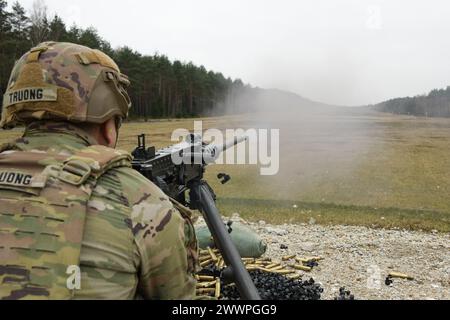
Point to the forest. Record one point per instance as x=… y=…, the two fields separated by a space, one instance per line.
x=434 y=104
x=160 y=88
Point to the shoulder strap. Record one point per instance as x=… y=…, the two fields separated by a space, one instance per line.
x=92 y=161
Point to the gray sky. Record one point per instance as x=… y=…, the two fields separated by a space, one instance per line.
x=336 y=51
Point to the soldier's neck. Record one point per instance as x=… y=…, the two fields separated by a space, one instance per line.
x=55 y=137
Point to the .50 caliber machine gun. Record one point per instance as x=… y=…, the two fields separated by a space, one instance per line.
x=178 y=170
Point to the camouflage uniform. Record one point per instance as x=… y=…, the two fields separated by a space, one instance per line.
x=64 y=201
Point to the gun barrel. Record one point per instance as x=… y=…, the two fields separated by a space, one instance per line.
x=192 y=151
x=212 y=151
x=232 y=143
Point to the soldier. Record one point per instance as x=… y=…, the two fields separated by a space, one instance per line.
x=76 y=221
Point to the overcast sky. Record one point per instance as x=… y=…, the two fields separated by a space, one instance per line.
x=336 y=51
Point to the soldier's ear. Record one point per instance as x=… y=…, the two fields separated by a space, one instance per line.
x=109 y=133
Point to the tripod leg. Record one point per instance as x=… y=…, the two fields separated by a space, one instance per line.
x=202 y=196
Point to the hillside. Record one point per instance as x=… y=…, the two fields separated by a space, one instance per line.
x=267 y=100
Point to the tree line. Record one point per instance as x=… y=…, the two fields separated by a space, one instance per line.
x=434 y=104
x=160 y=87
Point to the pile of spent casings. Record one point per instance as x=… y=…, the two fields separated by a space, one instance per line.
x=274 y=280
x=273 y=286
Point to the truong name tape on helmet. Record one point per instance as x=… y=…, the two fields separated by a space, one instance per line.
x=29 y=95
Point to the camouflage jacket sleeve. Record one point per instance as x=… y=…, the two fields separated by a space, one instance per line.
x=165 y=241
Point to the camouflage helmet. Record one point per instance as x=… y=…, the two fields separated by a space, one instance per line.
x=65 y=81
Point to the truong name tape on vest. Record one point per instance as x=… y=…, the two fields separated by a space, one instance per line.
x=15 y=178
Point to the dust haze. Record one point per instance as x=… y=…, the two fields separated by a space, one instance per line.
x=321 y=146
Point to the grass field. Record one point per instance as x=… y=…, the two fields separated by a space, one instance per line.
x=367 y=169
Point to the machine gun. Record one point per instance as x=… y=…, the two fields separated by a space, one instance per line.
x=178 y=171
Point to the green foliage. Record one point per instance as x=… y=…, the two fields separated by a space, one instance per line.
x=14 y=38
x=19 y=22
x=160 y=88
x=435 y=104
x=4 y=16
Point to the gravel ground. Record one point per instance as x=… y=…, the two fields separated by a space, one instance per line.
x=360 y=258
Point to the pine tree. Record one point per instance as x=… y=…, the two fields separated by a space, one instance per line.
x=19 y=20
x=5 y=26
x=5 y=55
x=57 y=30
x=20 y=31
